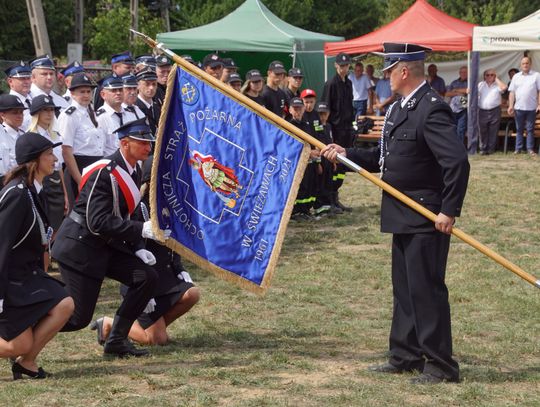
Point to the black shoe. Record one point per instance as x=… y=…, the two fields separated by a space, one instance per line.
x=385 y=368
x=97 y=326
x=343 y=207
x=427 y=378
x=123 y=349
x=18 y=371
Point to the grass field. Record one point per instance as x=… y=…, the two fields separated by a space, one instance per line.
x=327 y=317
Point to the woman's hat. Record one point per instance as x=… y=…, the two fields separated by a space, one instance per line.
x=30 y=145
x=41 y=102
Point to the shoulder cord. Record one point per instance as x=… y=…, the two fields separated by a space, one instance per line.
x=88 y=202
x=45 y=235
x=33 y=221
x=382 y=140
x=144 y=210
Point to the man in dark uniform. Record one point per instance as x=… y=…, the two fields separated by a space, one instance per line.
x=163 y=67
x=274 y=99
x=98 y=239
x=338 y=94
x=421 y=156
x=147 y=86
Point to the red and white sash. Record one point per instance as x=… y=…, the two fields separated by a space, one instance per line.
x=128 y=187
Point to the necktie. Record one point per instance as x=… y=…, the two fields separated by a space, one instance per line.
x=121 y=117
x=28 y=103
x=92 y=116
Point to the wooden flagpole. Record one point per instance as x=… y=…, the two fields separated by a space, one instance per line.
x=199 y=73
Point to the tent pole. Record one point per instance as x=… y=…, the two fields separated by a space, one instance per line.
x=294 y=55
x=325 y=68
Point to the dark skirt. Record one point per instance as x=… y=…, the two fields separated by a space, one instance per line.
x=16 y=319
x=52 y=185
x=163 y=304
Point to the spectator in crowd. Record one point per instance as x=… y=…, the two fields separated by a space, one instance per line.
x=213 y=65
x=435 y=81
x=383 y=95
x=370 y=72
x=33 y=305
x=68 y=72
x=361 y=86
x=489 y=110
x=511 y=73
x=163 y=68
x=274 y=98
x=112 y=115
x=130 y=96
x=524 y=103
x=458 y=91
x=122 y=64
x=147 y=86
x=306 y=192
x=83 y=140
x=11 y=116
x=294 y=82
x=235 y=81
x=43 y=80
x=19 y=82
x=253 y=86
x=338 y=94
x=43 y=123
x=229 y=67
x=175 y=294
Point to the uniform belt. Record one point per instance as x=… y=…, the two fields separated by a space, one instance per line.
x=75 y=217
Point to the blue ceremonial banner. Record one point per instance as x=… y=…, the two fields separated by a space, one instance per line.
x=224 y=180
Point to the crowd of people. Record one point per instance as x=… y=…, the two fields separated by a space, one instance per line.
x=70 y=166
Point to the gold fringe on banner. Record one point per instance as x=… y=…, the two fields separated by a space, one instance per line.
x=194 y=257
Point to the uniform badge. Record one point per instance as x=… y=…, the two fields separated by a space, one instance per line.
x=433 y=99
x=411 y=103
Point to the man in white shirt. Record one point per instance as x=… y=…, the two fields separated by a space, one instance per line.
x=361 y=89
x=19 y=82
x=130 y=96
x=489 y=111
x=112 y=115
x=524 y=103
x=43 y=79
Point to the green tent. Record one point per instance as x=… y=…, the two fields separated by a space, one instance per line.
x=253 y=36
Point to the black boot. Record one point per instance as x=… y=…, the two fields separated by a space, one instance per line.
x=118 y=344
x=334 y=209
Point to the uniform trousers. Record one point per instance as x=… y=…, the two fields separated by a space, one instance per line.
x=129 y=270
x=344 y=137
x=420 y=337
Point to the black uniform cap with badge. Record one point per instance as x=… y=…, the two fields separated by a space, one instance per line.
x=42 y=62
x=129 y=81
x=322 y=107
x=296 y=102
x=81 y=79
x=18 y=70
x=137 y=130
x=41 y=102
x=254 y=75
x=229 y=63
x=296 y=73
x=343 y=59
x=72 y=69
x=9 y=102
x=146 y=60
x=277 y=67
x=234 y=77
x=112 y=82
x=163 y=60
x=29 y=146
x=394 y=52
x=147 y=74
x=212 y=61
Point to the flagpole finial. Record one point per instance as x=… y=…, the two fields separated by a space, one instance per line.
x=145 y=38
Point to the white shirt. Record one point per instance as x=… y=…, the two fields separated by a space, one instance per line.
x=57 y=99
x=489 y=96
x=38 y=186
x=27 y=117
x=6 y=146
x=57 y=150
x=526 y=88
x=11 y=137
x=78 y=132
x=109 y=121
x=138 y=112
x=360 y=86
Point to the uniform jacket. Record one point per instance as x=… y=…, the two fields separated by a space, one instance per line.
x=21 y=248
x=424 y=159
x=152 y=114
x=86 y=246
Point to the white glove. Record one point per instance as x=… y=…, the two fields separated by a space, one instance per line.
x=1 y=306
x=148 y=233
x=146 y=256
x=184 y=275
x=150 y=307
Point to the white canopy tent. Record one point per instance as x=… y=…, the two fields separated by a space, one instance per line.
x=521 y=35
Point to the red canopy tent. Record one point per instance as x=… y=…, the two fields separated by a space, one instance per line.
x=421 y=24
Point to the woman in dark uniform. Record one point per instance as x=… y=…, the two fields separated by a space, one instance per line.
x=33 y=305
x=175 y=295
